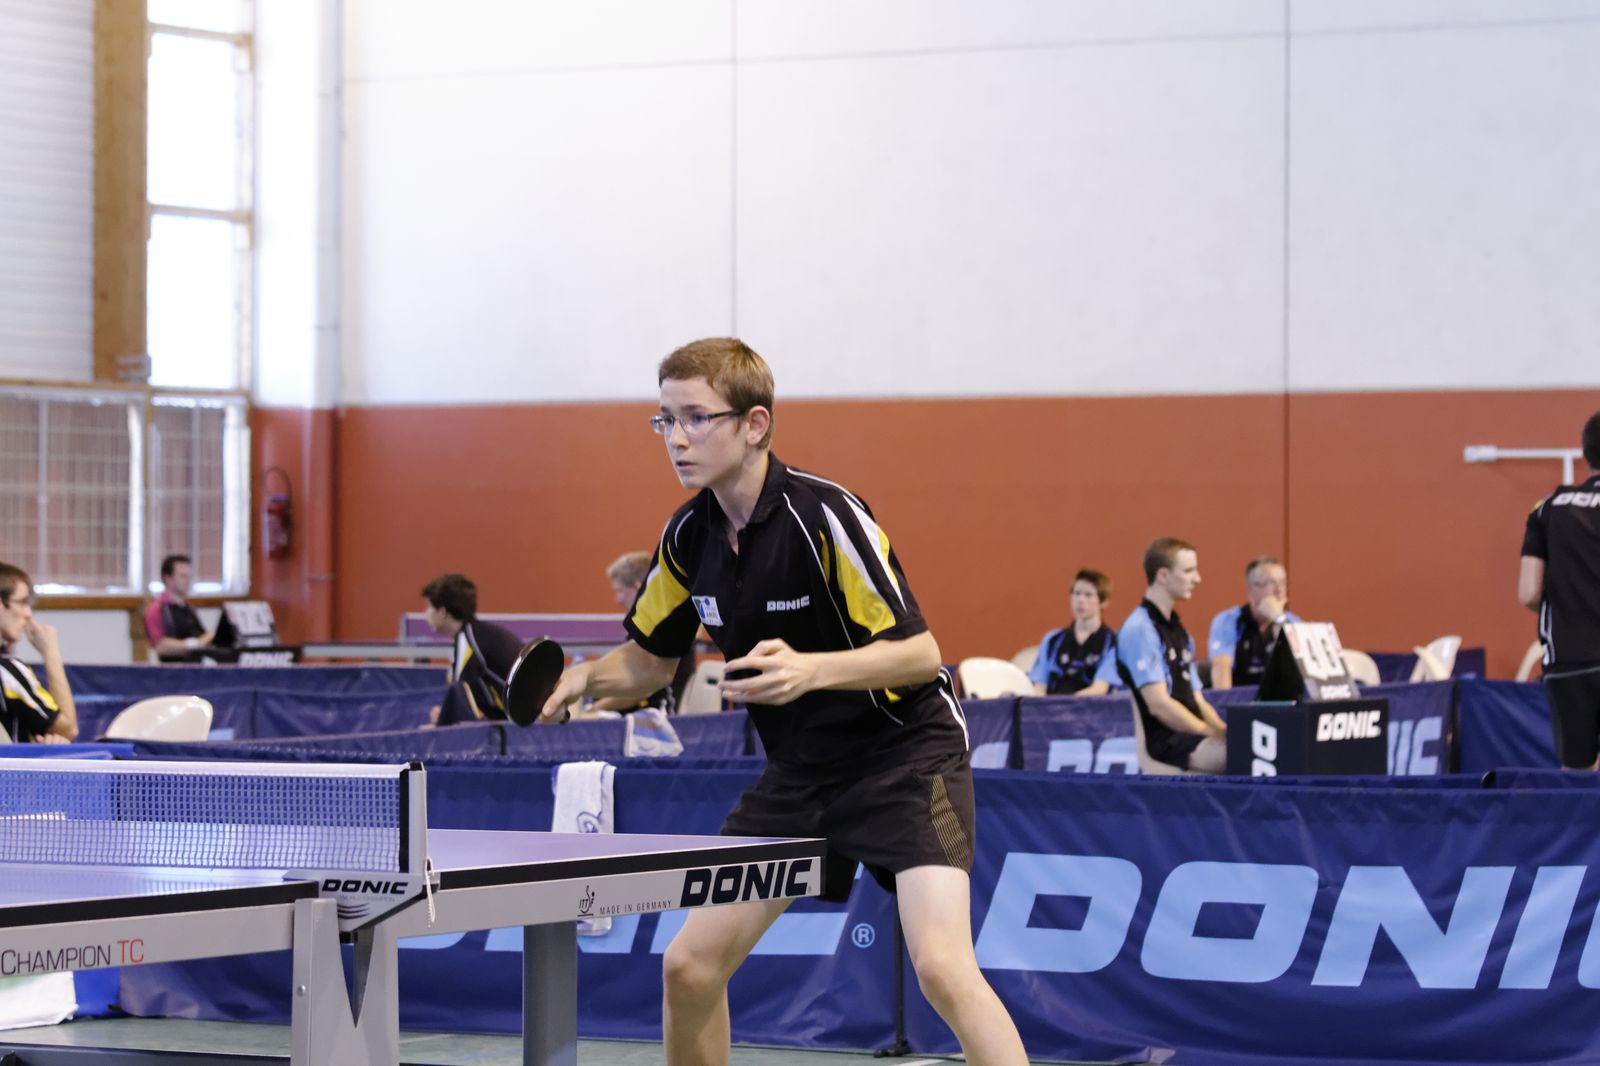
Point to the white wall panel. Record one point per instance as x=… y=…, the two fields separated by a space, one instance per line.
x=770 y=28
x=47 y=189
x=1446 y=209
x=287 y=39
x=531 y=238
x=941 y=198
x=1087 y=221
x=1321 y=15
x=84 y=637
x=390 y=39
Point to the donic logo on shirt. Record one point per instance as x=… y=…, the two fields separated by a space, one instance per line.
x=789 y=605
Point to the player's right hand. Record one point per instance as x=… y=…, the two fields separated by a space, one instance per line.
x=569 y=690
x=42 y=635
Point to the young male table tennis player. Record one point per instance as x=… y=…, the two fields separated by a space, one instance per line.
x=865 y=741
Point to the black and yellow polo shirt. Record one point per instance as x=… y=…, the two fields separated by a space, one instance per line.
x=483 y=657
x=27 y=710
x=815 y=570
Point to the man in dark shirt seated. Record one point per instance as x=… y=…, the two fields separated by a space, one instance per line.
x=483 y=652
x=1242 y=637
x=1155 y=656
x=31 y=712
x=174 y=630
x=1080 y=659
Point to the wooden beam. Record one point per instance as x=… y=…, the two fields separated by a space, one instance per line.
x=121 y=228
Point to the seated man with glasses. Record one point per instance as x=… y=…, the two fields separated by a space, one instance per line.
x=866 y=744
x=1242 y=638
x=31 y=712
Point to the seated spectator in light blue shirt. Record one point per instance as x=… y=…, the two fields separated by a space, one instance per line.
x=1242 y=638
x=1080 y=659
x=1155 y=656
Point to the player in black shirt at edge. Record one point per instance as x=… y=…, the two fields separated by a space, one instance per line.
x=866 y=744
x=1560 y=579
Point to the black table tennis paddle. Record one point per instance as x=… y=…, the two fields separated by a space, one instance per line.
x=532 y=679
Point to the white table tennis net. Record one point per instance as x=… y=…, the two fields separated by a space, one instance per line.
x=209 y=815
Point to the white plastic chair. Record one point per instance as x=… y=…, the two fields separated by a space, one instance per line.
x=163 y=718
x=1531 y=658
x=1023 y=660
x=984 y=678
x=1429 y=667
x=1149 y=764
x=1362 y=667
x=702 y=694
x=1437 y=660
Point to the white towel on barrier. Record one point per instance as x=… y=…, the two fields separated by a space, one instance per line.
x=584 y=805
x=42 y=999
x=649 y=733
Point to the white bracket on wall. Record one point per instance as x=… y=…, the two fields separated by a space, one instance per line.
x=1489 y=453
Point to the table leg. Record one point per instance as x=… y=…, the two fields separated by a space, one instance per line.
x=327 y=1028
x=550 y=994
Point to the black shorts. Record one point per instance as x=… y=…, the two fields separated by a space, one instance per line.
x=907 y=814
x=1575 y=714
x=1176 y=749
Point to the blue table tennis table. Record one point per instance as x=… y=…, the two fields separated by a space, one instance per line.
x=106 y=906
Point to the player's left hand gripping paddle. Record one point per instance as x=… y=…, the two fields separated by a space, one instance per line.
x=532 y=679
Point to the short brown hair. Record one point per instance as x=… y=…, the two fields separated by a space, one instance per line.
x=454 y=594
x=1163 y=555
x=1101 y=583
x=629 y=568
x=729 y=366
x=10 y=578
x=1257 y=563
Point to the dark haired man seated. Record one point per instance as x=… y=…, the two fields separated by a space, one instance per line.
x=484 y=652
x=174 y=630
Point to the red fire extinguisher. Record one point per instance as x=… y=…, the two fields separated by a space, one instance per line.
x=277 y=514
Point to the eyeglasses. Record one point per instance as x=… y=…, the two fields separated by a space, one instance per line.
x=695 y=425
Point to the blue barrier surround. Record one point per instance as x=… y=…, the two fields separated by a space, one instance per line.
x=1505 y=723
x=1446 y=835
x=85 y=750
x=1396 y=667
x=1200 y=921
x=1047 y=733
x=137 y=682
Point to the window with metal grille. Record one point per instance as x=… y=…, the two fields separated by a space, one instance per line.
x=71 y=470
x=199 y=489
x=77 y=510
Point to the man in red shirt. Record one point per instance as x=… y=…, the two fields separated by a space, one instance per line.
x=171 y=624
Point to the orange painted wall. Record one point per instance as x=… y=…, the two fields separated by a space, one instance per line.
x=1397 y=539
x=302 y=443
x=992 y=504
